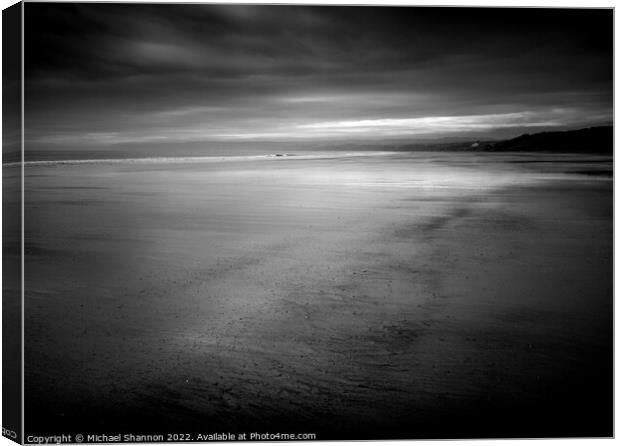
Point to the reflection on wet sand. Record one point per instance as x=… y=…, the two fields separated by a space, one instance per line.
x=376 y=296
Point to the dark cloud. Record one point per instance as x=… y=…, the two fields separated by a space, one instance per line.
x=114 y=73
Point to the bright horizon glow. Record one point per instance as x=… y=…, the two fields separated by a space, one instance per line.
x=422 y=126
x=352 y=129
x=443 y=123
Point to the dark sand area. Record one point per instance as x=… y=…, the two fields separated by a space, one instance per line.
x=395 y=296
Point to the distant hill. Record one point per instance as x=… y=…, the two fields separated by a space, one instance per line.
x=598 y=140
x=590 y=140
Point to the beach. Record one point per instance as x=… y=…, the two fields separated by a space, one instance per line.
x=352 y=295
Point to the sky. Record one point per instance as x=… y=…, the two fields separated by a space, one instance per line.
x=115 y=75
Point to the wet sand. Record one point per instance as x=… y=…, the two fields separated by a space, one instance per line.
x=393 y=296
